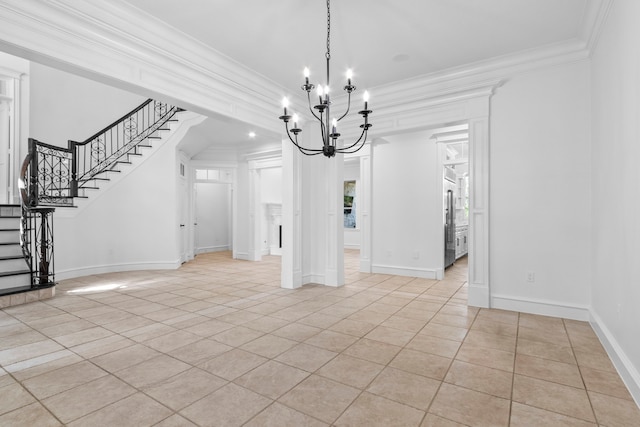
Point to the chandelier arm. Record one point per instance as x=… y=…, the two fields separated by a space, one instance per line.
x=304 y=149
x=322 y=129
x=342 y=150
x=363 y=134
x=348 y=107
x=311 y=109
x=317 y=151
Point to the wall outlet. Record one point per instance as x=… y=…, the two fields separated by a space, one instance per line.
x=416 y=255
x=389 y=254
x=531 y=276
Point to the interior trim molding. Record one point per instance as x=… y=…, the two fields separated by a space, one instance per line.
x=621 y=361
x=72 y=273
x=423 y=273
x=121 y=45
x=541 y=307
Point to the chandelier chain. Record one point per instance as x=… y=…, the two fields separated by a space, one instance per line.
x=328 y=54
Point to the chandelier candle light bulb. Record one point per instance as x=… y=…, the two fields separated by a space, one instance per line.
x=322 y=111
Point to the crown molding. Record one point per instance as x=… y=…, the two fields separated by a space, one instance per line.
x=595 y=16
x=119 y=44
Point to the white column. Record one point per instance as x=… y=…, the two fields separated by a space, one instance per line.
x=364 y=205
x=333 y=208
x=291 y=270
x=479 y=292
x=312 y=222
x=255 y=251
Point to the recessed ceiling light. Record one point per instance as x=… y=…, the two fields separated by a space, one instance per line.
x=401 y=57
x=252 y=134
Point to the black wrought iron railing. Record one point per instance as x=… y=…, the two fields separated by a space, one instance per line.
x=36 y=228
x=104 y=150
x=52 y=176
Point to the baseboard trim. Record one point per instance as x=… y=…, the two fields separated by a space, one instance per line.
x=317 y=279
x=629 y=373
x=346 y=246
x=423 y=273
x=207 y=249
x=541 y=307
x=72 y=273
x=241 y=255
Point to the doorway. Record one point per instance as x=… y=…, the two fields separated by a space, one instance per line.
x=453 y=168
x=212 y=192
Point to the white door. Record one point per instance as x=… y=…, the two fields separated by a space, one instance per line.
x=213 y=216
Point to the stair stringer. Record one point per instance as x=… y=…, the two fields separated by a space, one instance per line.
x=178 y=130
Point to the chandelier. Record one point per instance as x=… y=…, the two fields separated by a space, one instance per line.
x=322 y=113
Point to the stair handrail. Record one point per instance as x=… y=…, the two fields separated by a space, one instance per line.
x=115 y=123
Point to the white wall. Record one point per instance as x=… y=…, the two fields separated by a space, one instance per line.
x=65 y=106
x=615 y=182
x=132 y=225
x=540 y=196
x=406 y=212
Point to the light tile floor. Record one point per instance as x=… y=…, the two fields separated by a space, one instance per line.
x=219 y=343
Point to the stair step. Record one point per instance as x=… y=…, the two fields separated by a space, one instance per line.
x=15 y=280
x=10 y=211
x=12 y=222
x=12 y=264
x=10 y=249
x=9 y=236
x=154 y=137
x=144 y=146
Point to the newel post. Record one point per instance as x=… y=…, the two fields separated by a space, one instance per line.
x=74 y=168
x=33 y=178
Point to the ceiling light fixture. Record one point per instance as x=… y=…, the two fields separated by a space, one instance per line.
x=328 y=128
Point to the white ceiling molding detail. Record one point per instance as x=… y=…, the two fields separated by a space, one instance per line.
x=119 y=44
x=595 y=16
x=116 y=43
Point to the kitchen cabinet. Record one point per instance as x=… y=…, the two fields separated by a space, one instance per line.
x=462 y=241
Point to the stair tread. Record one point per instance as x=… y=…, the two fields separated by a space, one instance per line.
x=14 y=273
x=8 y=257
x=10 y=243
x=9 y=229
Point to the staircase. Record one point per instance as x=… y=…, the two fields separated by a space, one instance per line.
x=53 y=177
x=15 y=273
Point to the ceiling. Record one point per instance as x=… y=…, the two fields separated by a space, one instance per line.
x=383 y=41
